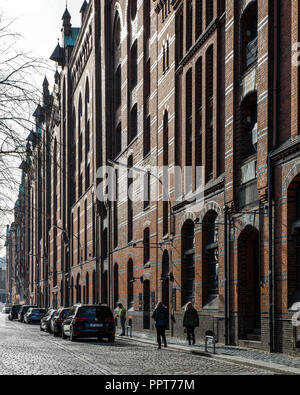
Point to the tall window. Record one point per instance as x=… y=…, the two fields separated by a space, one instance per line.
x=116 y=213
x=249 y=31
x=130 y=205
x=210 y=258
x=189 y=24
x=85 y=232
x=130 y=280
x=78 y=237
x=199 y=17
x=198 y=96
x=248 y=133
x=116 y=285
x=189 y=118
x=133 y=123
x=209 y=113
x=166 y=172
x=209 y=11
x=146 y=245
x=179 y=35
x=94 y=287
x=117 y=88
x=133 y=65
x=188 y=262
x=87 y=288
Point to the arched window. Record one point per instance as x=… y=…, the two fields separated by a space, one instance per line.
x=210 y=255
x=249 y=31
x=188 y=262
x=130 y=282
x=248 y=131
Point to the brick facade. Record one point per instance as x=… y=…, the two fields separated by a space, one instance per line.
x=173 y=83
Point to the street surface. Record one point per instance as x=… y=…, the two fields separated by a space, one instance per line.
x=25 y=350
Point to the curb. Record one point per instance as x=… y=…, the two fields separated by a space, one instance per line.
x=272 y=367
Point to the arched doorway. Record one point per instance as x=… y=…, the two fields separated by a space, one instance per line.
x=116 y=284
x=210 y=261
x=94 y=286
x=165 y=291
x=293 y=261
x=87 y=288
x=146 y=304
x=130 y=280
x=104 y=287
x=249 y=279
x=78 y=289
x=188 y=262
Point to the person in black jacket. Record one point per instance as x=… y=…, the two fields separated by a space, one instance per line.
x=190 y=322
x=161 y=316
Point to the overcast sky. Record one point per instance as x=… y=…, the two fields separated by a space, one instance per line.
x=39 y=22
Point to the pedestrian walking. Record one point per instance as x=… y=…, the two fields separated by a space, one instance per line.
x=190 y=322
x=122 y=316
x=161 y=316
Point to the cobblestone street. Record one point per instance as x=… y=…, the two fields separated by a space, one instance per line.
x=26 y=350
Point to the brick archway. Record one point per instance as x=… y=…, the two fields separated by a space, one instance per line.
x=249 y=276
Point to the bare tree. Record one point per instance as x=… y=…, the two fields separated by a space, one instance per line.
x=19 y=97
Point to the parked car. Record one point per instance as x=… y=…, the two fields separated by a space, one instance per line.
x=6 y=310
x=89 y=321
x=34 y=315
x=57 y=320
x=14 y=311
x=45 y=321
x=23 y=311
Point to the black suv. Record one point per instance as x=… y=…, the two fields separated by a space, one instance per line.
x=89 y=321
x=13 y=315
x=23 y=311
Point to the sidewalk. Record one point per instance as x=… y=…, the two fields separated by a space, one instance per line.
x=278 y=363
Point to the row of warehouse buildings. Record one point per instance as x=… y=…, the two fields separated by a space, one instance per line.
x=148 y=87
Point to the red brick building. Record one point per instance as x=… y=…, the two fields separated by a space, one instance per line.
x=173 y=83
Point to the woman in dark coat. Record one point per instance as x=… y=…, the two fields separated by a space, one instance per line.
x=161 y=316
x=190 y=322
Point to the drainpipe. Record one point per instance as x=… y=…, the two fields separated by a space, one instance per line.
x=270 y=182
